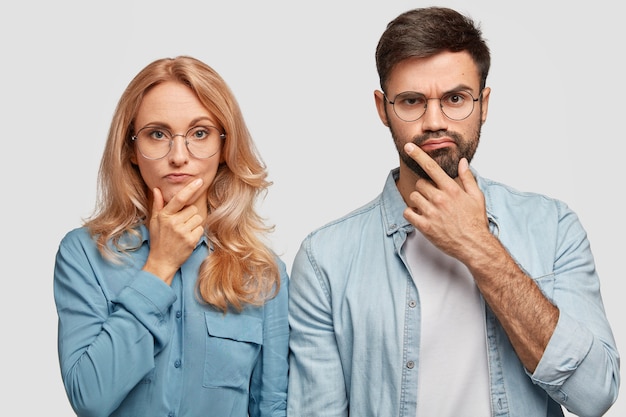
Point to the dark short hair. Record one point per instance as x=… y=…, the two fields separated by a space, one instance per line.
x=424 y=32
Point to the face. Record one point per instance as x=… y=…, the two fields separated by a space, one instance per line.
x=173 y=106
x=444 y=139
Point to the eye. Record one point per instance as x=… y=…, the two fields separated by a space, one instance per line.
x=455 y=99
x=199 y=133
x=410 y=100
x=155 y=133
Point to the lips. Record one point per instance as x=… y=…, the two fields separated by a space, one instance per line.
x=432 y=144
x=177 y=178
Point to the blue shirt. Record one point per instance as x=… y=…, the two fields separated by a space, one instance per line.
x=354 y=313
x=130 y=345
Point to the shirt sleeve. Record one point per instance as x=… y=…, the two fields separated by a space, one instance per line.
x=106 y=346
x=268 y=390
x=580 y=366
x=316 y=381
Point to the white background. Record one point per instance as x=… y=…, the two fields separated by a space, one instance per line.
x=304 y=75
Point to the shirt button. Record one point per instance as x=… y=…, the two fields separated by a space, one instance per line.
x=177 y=363
x=410 y=364
x=412 y=303
x=178 y=314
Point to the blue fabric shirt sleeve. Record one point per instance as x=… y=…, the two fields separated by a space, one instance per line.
x=106 y=344
x=580 y=366
x=316 y=379
x=268 y=389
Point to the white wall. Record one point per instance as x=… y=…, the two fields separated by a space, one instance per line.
x=304 y=75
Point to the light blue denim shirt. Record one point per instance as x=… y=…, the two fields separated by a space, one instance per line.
x=354 y=314
x=130 y=345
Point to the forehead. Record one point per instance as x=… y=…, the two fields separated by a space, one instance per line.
x=170 y=102
x=435 y=75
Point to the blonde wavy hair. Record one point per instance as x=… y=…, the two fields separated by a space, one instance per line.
x=241 y=269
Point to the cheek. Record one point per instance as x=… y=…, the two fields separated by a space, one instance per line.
x=403 y=132
x=148 y=173
x=209 y=172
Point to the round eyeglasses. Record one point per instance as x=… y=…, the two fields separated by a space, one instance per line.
x=410 y=106
x=155 y=142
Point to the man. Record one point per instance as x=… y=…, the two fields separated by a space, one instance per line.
x=449 y=294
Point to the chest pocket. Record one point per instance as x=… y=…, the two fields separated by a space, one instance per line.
x=232 y=348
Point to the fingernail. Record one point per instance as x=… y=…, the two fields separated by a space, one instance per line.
x=197 y=182
x=409 y=147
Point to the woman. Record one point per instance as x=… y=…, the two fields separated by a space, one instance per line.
x=169 y=301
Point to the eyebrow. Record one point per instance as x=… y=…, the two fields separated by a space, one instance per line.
x=193 y=123
x=459 y=87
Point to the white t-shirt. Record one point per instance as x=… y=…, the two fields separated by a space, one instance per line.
x=453 y=377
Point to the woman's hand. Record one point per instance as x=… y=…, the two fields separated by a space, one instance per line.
x=174 y=231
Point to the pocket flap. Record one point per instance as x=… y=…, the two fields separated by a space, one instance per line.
x=241 y=328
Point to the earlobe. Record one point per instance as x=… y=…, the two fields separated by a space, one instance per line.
x=379 y=98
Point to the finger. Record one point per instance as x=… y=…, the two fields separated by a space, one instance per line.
x=157 y=201
x=467 y=179
x=415 y=217
x=411 y=215
x=181 y=198
x=195 y=221
x=428 y=164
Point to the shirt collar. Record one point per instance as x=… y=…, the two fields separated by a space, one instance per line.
x=393 y=205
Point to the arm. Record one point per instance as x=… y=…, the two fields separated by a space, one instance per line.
x=268 y=390
x=563 y=344
x=452 y=215
x=105 y=346
x=527 y=316
x=580 y=365
x=316 y=380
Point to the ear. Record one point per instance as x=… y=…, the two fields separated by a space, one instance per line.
x=379 y=98
x=484 y=104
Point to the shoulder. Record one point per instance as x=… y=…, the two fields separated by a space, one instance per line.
x=529 y=215
x=500 y=197
x=351 y=222
x=78 y=237
x=282 y=270
x=355 y=234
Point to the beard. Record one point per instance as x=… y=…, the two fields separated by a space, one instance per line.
x=447 y=158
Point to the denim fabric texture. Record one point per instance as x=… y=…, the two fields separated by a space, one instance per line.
x=130 y=345
x=354 y=313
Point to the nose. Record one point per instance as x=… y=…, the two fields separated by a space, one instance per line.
x=433 y=118
x=179 y=154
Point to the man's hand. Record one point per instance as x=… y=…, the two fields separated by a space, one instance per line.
x=450 y=213
x=174 y=231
